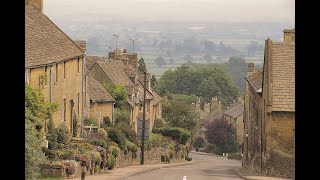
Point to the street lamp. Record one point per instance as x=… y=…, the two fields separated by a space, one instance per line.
x=116 y=36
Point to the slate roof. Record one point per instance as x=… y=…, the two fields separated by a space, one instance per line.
x=255 y=79
x=45 y=42
x=235 y=111
x=283 y=76
x=96 y=91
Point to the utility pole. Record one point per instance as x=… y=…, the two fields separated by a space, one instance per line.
x=132 y=45
x=144 y=117
x=116 y=36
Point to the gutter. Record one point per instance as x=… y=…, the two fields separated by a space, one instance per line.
x=51 y=68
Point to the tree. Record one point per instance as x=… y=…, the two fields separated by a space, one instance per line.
x=209 y=47
x=118 y=92
x=179 y=114
x=153 y=80
x=199 y=142
x=237 y=68
x=222 y=135
x=122 y=115
x=142 y=66
x=160 y=61
x=37 y=112
x=201 y=80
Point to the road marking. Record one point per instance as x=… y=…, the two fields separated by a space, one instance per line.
x=184 y=178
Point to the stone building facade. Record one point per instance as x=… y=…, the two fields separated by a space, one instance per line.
x=269 y=115
x=234 y=115
x=53 y=65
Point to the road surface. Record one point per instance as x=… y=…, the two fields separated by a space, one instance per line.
x=205 y=167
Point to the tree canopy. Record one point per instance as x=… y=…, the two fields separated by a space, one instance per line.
x=222 y=135
x=142 y=66
x=204 y=81
x=118 y=92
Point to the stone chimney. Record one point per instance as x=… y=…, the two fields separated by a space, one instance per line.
x=206 y=107
x=36 y=3
x=198 y=102
x=250 y=67
x=82 y=44
x=214 y=103
x=289 y=35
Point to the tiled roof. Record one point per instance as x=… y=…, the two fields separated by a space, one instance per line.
x=96 y=91
x=90 y=60
x=255 y=80
x=283 y=76
x=141 y=89
x=45 y=42
x=235 y=111
x=156 y=97
x=117 y=75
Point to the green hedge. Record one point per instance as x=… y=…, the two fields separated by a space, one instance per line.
x=179 y=134
x=117 y=136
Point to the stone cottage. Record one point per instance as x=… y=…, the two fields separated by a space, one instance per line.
x=54 y=65
x=269 y=112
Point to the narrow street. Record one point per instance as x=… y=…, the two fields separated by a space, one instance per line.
x=205 y=167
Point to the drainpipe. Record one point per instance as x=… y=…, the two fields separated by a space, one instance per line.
x=51 y=68
x=113 y=112
x=83 y=93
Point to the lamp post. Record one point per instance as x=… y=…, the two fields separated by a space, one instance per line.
x=116 y=36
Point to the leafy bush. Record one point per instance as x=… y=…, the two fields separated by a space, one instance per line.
x=117 y=136
x=171 y=154
x=63 y=136
x=121 y=116
x=118 y=92
x=158 y=123
x=111 y=161
x=70 y=167
x=98 y=142
x=199 y=142
x=115 y=151
x=177 y=134
x=167 y=158
x=84 y=147
x=107 y=122
x=128 y=131
x=131 y=146
x=210 y=148
x=103 y=155
x=68 y=154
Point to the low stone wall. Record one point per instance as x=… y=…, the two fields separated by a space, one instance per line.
x=152 y=156
x=281 y=164
x=53 y=170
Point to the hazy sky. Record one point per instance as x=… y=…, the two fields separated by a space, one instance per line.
x=175 y=10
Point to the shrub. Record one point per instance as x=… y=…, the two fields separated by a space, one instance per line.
x=114 y=151
x=98 y=142
x=178 y=134
x=199 y=142
x=128 y=131
x=103 y=155
x=158 y=123
x=84 y=147
x=210 y=148
x=107 y=122
x=95 y=157
x=131 y=146
x=167 y=158
x=63 y=136
x=70 y=166
x=111 y=161
x=122 y=116
x=117 y=136
x=197 y=149
x=170 y=154
x=68 y=154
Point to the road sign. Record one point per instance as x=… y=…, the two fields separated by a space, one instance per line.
x=146 y=129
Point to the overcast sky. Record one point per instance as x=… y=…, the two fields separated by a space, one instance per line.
x=175 y=10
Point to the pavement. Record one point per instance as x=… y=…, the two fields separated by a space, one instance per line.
x=246 y=174
x=123 y=172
